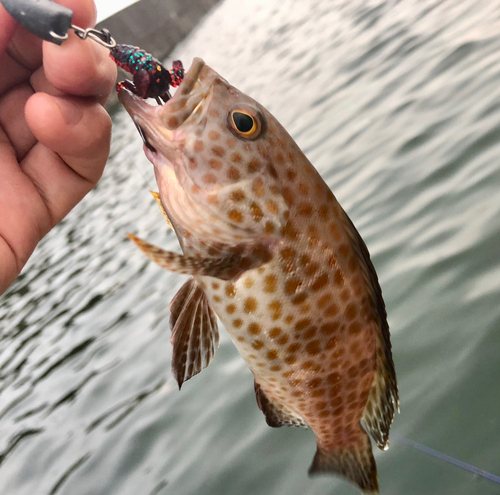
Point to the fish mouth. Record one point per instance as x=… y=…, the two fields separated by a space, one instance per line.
x=160 y=124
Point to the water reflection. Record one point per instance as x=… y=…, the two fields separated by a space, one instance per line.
x=396 y=104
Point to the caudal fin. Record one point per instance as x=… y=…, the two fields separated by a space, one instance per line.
x=356 y=463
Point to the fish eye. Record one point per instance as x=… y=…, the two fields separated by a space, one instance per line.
x=245 y=123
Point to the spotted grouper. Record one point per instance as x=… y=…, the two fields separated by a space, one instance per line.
x=271 y=252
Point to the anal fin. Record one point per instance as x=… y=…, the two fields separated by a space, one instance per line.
x=276 y=415
x=354 y=462
x=195 y=335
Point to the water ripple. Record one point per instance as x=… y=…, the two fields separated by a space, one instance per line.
x=397 y=105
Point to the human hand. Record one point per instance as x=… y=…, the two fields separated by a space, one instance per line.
x=54 y=131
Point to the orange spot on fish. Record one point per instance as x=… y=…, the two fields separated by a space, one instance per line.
x=253 y=165
x=218 y=151
x=212 y=199
x=230 y=290
x=292 y=285
x=303 y=188
x=250 y=305
x=235 y=216
x=272 y=207
x=258 y=187
x=256 y=212
x=270 y=284
x=214 y=164
x=338 y=278
x=305 y=209
x=313 y=347
x=233 y=174
x=288 y=196
x=172 y=122
x=323 y=212
x=272 y=354
x=254 y=328
x=237 y=195
x=274 y=332
x=209 y=179
x=289 y=231
x=355 y=328
x=350 y=312
x=301 y=324
x=310 y=333
x=314 y=383
x=288 y=253
x=320 y=282
x=236 y=158
x=299 y=299
x=343 y=251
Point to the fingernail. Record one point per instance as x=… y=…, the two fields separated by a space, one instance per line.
x=71 y=112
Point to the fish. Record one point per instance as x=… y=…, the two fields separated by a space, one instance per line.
x=273 y=255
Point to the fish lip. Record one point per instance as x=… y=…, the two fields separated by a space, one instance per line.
x=146 y=116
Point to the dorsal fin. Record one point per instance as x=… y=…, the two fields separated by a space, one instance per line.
x=195 y=336
x=162 y=209
x=276 y=415
x=379 y=410
x=383 y=398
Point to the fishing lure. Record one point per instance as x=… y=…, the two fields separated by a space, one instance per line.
x=150 y=78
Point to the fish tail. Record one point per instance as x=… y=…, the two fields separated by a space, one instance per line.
x=355 y=462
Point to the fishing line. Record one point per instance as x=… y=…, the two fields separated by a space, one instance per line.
x=451 y=460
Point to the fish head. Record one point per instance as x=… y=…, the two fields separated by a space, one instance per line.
x=213 y=149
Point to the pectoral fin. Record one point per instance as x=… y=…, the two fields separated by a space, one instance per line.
x=225 y=267
x=275 y=414
x=162 y=209
x=195 y=336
